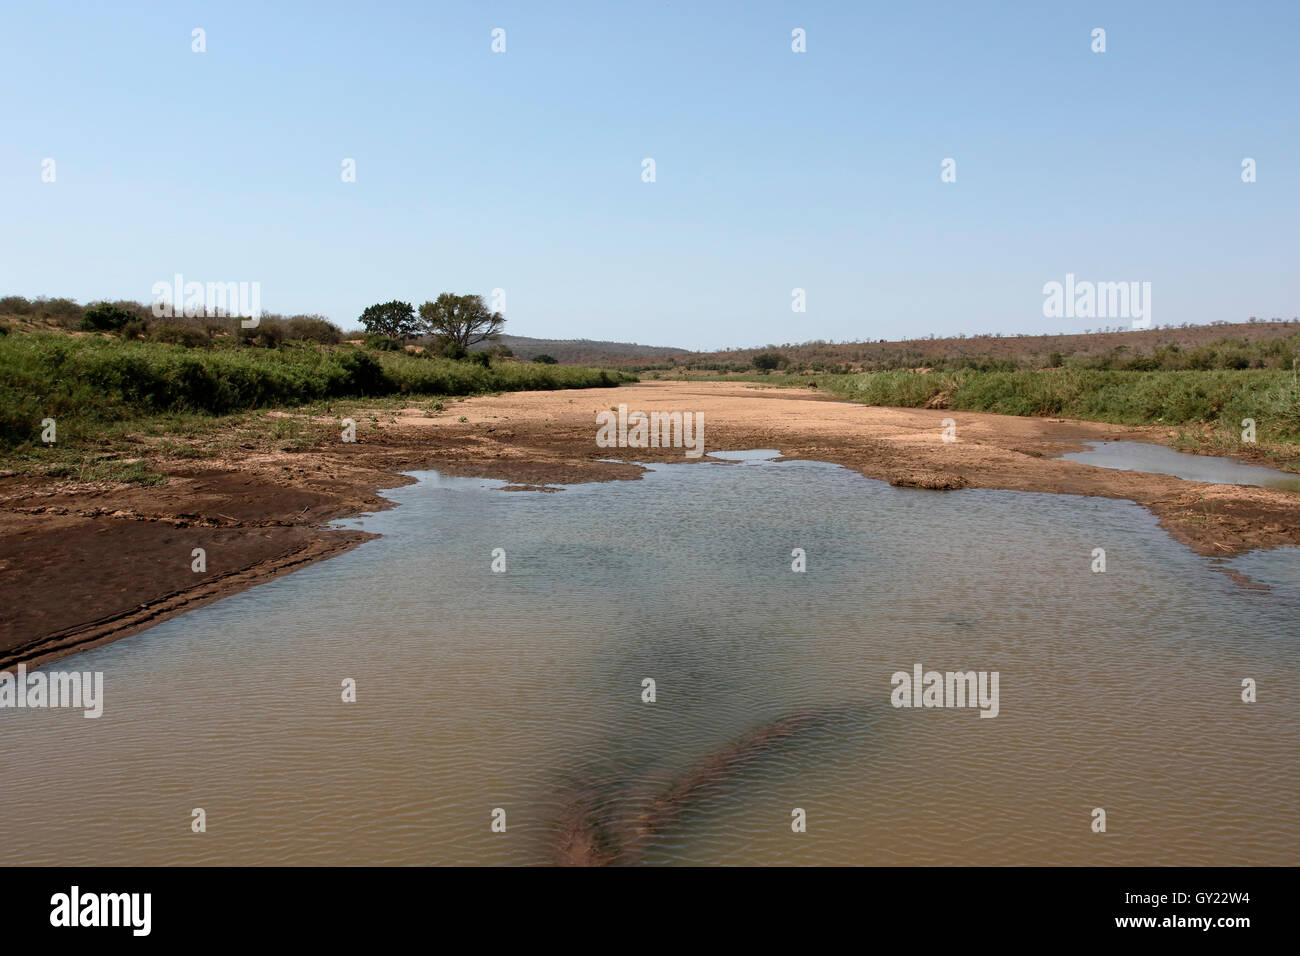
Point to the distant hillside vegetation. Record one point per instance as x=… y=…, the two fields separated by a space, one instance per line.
x=589 y=351
x=1220 y=344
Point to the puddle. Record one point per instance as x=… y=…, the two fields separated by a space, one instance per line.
x=1161 y=460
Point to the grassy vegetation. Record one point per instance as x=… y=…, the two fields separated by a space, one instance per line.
x=159 y=385
x=774 y=379
x=89 y=384
x=134 y=472
x=1273 y=344
x=1217 y=398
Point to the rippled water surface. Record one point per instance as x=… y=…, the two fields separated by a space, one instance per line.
x=1161 y=460
x=523 y=690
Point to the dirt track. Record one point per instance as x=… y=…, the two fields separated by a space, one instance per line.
x=81 y=565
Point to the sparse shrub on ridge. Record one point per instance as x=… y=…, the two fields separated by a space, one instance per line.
x=176 y=333
x=15 y=305
x=266 y=334
x=312 y=328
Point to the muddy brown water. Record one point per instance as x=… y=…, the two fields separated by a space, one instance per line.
x=523 y=690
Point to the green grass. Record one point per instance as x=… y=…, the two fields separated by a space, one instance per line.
x=1218 y=398
x=89 y=385
x=132 y=472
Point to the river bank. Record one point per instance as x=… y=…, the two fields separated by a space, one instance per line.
x=87 y=563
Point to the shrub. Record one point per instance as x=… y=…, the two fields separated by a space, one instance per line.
x=176 y=333
x=135 y=329
x=64 y=311
x=545 y=359
x=312 y=328
x=363 y=375
x=137 y=310
x=446 y=348
x=15 y=305
x=104 y=317
x=267 y=334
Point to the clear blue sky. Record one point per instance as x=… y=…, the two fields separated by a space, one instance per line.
x=775 y=170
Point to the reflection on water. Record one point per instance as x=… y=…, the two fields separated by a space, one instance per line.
x=1160 y=460
x=523 y=690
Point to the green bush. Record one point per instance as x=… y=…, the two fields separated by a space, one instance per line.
x=445 y=348
x=104 y=317
x=266 y=334
x=362 y=374
x=312 y=328
x=175 y=333
x=86 y=382
x=135 y=329
x=1219 y=396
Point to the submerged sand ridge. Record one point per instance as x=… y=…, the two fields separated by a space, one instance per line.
x=118 y=555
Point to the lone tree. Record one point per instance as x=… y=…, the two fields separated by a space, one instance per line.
x=460 y=320
x=394 y=319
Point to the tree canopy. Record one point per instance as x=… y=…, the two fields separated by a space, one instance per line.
x=460 y=319
x=395 y=319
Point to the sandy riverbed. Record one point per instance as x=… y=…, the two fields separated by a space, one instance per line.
x=86 y=564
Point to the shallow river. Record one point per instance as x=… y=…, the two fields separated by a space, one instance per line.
x=523 y=690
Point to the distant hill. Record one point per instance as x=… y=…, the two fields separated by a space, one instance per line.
x=590 y=351
x=1031 y=351
x=1023 y=350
